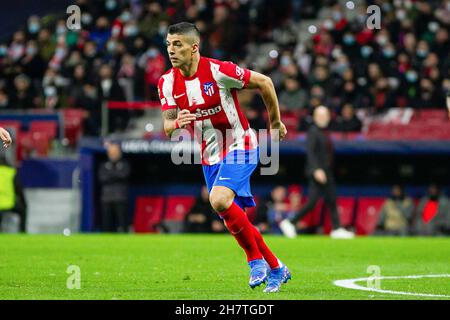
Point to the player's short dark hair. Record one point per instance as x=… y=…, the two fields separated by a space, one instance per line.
x=183 y=28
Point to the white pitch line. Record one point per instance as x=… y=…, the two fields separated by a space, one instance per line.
x=350 y=284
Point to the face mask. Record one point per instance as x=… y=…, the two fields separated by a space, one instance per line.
x=336 y=53
x=285 y=61
x=388 y=53
x=382 y=40
x=349 y=39
x=401 y=14
x=33 y=27
x=162 y=30
x=31 y=51
x=151 y=53
x=60 y=30
x=387 y=7
x=328 y=24
x=110 y=5
x=411 y=76
x=111 y=46
x=60 y=52
x=341 y=67
x=337 y=16
x=366 y=51
x=433 y=26
x=86 y=18
x=422 y=53
x=125 y=16
x=130 y=31
x=50 y=91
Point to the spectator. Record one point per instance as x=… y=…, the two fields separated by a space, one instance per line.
x=272 y=211
x=88 y=99
x=293 y=97
x=113 y=176
x=396 y=213
x=200 y=218
x=108 y=89
x=13 y=207
x=23 y=97
x=347 y=121
x=255 y=119
x=433 y=216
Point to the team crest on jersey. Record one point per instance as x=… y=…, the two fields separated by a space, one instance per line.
x=208 y=88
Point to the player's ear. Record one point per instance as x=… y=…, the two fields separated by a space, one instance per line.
x=195 y=48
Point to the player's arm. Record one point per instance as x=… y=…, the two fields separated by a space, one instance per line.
x=173 y=121
x=5 y=137
x=269 y=95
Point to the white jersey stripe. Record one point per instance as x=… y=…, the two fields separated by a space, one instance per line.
x=167 y=88
x=230 y=109
x=194 y=92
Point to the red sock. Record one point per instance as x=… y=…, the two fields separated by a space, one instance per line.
x=265 y=251
x=242 y=230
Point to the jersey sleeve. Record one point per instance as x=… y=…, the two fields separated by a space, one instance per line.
x=233 y=76
x=165 y=94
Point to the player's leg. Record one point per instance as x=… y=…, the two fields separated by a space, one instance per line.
x=222 y=201
x=268 y=255
x=236 y=220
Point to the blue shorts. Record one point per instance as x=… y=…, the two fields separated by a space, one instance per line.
x=234 y=172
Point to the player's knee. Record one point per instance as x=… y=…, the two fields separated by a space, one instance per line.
x=220 y=202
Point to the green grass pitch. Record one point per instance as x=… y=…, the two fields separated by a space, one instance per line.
x=213 y=267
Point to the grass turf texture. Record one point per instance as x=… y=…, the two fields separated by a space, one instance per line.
x=212 y=266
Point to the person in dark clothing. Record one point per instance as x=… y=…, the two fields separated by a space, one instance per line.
x=347 y=121
x=108 y=89
x=199 y=218
x=12 y=198
x=113 y=176
x=319 y=166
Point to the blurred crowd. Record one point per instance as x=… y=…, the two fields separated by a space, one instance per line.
x=119 y=54
x=400 y=214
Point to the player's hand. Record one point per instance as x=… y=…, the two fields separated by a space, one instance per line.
x=320 y=176
x=184 y=118
x=278 y=130
x=5 y=137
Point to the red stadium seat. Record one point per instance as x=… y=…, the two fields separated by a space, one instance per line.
x=148 y=213
x=367 y=214
x=49 y=128
x=346 y=209
x=178 y=206
x=73 y=125
x=291 y=120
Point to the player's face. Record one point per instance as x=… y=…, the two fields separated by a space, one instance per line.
x=180 y=49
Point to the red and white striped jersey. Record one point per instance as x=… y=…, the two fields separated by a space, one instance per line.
x=211 y=95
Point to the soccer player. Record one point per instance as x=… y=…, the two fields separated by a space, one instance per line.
x=5 y=137
x=204 y=90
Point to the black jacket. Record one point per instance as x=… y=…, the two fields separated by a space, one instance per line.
x=319 y=152
x=113 y=177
